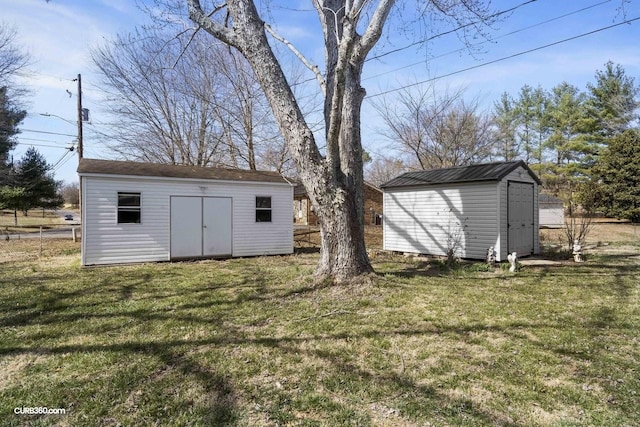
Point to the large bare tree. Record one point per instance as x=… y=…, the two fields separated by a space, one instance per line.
x=383 y=169
x=333 y=178
x=13 y=58
x=437 y=130
x=180 y=99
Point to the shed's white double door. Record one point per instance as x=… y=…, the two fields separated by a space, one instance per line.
x=200 y=226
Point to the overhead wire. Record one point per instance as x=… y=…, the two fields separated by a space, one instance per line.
x=504 y=58
x=435 y=36
x=46 y=132
x=21 y=138
x=41 y=145
x=502 y=12
x=519 y=30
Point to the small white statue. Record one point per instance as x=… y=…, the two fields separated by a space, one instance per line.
x=513 y=259
x=577 y=251
x=491 y=256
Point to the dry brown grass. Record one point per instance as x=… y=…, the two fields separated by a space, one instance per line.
x=305 y=237
x=601 y=232
x=17 y=250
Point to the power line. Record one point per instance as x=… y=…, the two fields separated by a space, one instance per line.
x=489 y=40
x=502 y=12
x=65 y=161
x=50 y=133
x=21 y=138
x=41 y=145
x=505 y=58
x=495 y=15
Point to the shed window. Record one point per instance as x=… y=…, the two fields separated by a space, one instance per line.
x=263 y=209
x=129 y=208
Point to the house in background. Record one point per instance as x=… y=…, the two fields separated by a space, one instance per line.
x=140 y=212
x=551 y=211
x=303 y=213
x=468 y=209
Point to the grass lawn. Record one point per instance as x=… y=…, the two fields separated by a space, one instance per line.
x=256 y=342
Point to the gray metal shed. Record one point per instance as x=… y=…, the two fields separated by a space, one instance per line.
x=472 y=207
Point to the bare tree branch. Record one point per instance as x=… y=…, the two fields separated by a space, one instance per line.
x=300 y=56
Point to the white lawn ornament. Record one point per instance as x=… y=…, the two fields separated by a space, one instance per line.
x=491 y=256
x=513 y=259
x=577 y=251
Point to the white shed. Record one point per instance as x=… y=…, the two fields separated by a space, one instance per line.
x=468 y=209
x=551 y=211
x=139 y=212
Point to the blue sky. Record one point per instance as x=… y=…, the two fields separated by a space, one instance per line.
x=59 y=35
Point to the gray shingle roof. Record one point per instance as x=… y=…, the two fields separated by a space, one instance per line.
x=473 y=173
x=115 y=167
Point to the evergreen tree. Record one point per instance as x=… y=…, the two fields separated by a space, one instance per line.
x=505 y=119
x=40 y=188
x=531 y=117
x=570 y=138
x=613 y=101
x=615 y=188
x=10 y=117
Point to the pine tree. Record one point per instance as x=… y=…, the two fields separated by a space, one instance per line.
x=40 y=188
x=570 y=136
x=613 y=101
x=10 y=117
x=505 y=119
x=615 y=188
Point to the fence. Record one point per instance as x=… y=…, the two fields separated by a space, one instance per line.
x=20 y=244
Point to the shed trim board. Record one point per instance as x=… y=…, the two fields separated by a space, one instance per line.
x=424 y=218
x=105 y=241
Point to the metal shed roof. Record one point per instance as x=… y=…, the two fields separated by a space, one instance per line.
x=549 y=200
x=115 y=167
x=474 y=173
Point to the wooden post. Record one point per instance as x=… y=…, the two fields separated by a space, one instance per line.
x=74 y=234
x=40 y=253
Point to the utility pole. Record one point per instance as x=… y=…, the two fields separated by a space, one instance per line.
x=80 y=116
x=80 y=141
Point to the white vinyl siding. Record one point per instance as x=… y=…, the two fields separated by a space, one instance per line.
x=552 y=215
x=419 y=220
x=104 y=241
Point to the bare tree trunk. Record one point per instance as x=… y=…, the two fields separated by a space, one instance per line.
x=343 y=251
x=333 y=182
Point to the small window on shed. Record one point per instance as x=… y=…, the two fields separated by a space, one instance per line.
x=263 y=209
x=129 y=208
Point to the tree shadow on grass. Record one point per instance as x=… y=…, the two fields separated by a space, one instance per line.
x=224 y=336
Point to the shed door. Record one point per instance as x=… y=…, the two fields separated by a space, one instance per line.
x=186 y=227
x=200 y=226
x=520 y=217
x=216 y=226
